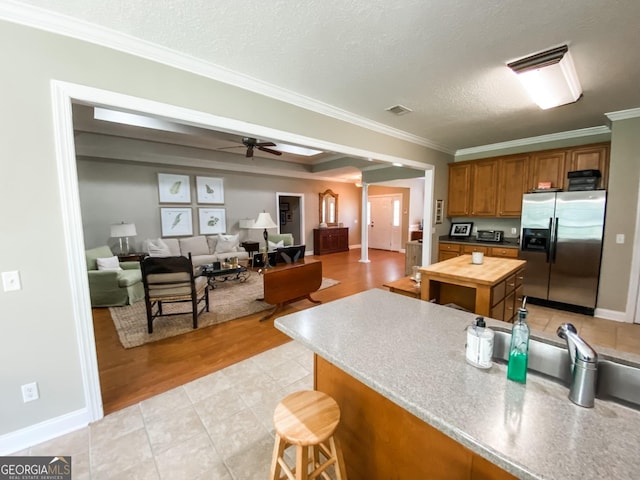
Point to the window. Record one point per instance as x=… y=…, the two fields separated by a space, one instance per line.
x=396 y=213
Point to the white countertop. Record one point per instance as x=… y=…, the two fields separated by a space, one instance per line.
x=412 y=352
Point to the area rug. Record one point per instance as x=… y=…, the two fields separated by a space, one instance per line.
x=229 y=300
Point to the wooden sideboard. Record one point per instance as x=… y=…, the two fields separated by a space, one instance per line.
x=330 y=240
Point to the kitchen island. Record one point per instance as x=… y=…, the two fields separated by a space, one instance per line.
x=491 y=289
x=413 y=408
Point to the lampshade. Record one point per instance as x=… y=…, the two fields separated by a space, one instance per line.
x=246 y=222
x=123 y=230
x=264 y=221
x=549 y=77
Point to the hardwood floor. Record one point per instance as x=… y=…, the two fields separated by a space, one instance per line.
x=132 y=375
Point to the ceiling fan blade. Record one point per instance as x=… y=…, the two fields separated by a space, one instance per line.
x=265 y=144
x=268 y=150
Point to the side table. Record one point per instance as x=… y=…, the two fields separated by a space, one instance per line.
x=132 y=256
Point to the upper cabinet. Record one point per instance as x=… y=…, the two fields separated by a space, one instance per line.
x=484 y=178
x=593 y=157
x=548 y=167
x=493 y=187
x=513 y=175
x=468 y=184
x=459 y=189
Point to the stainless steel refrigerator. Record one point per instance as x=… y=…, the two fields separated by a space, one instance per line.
x=561 y=240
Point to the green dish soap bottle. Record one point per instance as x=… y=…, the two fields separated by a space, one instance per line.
x=519 y=348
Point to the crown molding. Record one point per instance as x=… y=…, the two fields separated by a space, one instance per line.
x=79 y=29
x=623 y=114
x=584 y=132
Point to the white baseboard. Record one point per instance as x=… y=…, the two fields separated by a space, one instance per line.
x=41 y=432
x=611 y=315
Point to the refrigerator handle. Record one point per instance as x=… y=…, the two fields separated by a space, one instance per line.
x=555 y=241
x=550 y=244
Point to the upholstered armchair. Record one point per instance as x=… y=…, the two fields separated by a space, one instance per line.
x=119 y=284
x=285 y=238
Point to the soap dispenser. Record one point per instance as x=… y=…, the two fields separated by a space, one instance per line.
x=479 y=344
x=519 y=348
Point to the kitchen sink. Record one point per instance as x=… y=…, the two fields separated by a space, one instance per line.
x=616 y=382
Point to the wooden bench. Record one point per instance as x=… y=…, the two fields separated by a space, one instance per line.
x=290 y=283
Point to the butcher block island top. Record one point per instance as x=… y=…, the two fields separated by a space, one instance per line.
x=411 y=353
x=491 y=289
x=460 y=269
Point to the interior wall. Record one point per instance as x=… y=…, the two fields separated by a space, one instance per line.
x=44 y=346
x=129 y=193
x=622 y=201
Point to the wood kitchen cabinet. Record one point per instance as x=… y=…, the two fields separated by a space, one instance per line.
x=494 y=187
x=459 y=189
x=451 y=250
x=330 y=240
x=412 y=256
x=472 y=188
x=548 y=167
x=593 y=157
x=512 y=184
x=484 y=178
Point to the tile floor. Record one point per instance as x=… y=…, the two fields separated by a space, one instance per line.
x=220 y=426
x=217 y=427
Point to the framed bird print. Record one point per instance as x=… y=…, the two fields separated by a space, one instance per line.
x=212 y=221
x=176 y=222
x=209 y=190
x=174 y=188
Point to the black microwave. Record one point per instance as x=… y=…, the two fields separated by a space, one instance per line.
x=490 y=236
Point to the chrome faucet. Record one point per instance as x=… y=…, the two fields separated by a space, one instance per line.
x=584 y=366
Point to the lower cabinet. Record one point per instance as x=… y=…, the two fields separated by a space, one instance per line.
x=412 y=256
x=330 y=240
x=450 y=250
x=506 y=297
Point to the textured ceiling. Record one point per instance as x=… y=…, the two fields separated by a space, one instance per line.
x=443 y=59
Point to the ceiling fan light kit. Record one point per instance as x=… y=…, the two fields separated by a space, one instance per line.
x=549 y=77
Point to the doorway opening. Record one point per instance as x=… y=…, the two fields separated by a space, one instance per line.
x=290 y=208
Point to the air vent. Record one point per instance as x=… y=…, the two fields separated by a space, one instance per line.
x=398 y=110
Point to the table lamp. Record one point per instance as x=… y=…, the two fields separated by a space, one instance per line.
x=123 y=230
x=265 y=221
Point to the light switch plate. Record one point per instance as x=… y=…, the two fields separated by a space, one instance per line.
x=620 y=238
x=11 y=281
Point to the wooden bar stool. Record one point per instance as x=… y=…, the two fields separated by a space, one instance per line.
x=307 y=419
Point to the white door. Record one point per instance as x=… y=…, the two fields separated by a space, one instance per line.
x=384 y=221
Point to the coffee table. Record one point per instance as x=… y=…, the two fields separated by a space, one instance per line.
x=223 y=274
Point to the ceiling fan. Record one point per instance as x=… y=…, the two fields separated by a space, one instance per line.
x=252 y=143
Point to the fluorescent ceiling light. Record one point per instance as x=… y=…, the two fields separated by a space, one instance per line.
x=549 y=77
x=123 y=118
x=307 y=152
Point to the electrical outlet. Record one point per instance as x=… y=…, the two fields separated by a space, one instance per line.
x=620 y=238
x=514 y=231
x=30 y=392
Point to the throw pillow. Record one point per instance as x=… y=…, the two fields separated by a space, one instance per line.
x=212 y=240
x=157 y=248
x=227 y=243
x=274 y=245
x=196 y=245
x=110 y=263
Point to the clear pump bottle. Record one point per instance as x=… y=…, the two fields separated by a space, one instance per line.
x=519 y=348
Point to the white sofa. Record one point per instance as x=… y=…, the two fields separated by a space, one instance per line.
x=204 y=249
